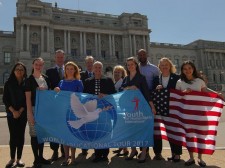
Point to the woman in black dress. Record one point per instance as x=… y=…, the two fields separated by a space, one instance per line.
x=15 y=103
x=134 y=80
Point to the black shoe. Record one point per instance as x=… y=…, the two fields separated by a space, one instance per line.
x=10 y=163
x=201 y=163
x=96 y=159
x=123 y=154
x=20 y=164
x=44 y=161
x=37 y=165
x=143 y=159
x=189 y=162
x=158 y=157
x=176 y=159
x=84 y=152
x=55 y=156
x=132 y=156
x=104 y=158
x=117 y=151
x=65 y=163
x=170 y=158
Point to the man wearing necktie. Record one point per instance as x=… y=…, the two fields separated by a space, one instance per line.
x=89 y=61
x=55 y=74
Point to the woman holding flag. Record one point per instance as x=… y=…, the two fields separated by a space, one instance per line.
x=167 y=80
x=191 y=81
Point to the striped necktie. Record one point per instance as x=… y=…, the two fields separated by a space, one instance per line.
x=60 y=73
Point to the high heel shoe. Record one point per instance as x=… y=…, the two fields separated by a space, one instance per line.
x=201 y=163
x=176 y=158
x=170 y=158
x=117 y=151
x=132 y=155
x=142 y=160
x=126 y=153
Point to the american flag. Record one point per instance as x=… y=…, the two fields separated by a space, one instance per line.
x=160 y=98
x=192 y=122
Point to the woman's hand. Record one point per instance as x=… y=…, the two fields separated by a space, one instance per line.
x=101 y=95
x=188 y=90
x=133 y=87
x=16 y=114
x=56 y=89
x=31 y=120
x=159 y=87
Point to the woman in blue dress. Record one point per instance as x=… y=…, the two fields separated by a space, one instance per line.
x=72 y=83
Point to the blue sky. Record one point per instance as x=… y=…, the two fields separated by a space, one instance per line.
x=171 y=21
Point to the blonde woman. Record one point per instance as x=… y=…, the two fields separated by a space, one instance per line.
x=72 y=83
x=167 y=79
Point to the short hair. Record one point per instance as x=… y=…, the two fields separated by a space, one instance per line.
x=142 y=50
x=59 y=51
x=172 y=66
x=76 y=68
x=122 y=69
x=99 y=63
x=89 y=57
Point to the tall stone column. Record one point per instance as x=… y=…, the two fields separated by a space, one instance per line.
x=96 y=45
x=42 y=38
x=99 y=45
x=148 y=44
x=113 y=46
x=48 y=39
x=81 y=44
x=85 y=42
x=28 y=38
x=123 y=47
x=130 y=46
x=21 y=37
x=144 y=44
x=69 y=45
x=110 y=46
x=65 y=45
x=134 y=45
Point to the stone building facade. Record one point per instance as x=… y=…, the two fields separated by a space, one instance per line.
x=208 y=56
x=40 y=29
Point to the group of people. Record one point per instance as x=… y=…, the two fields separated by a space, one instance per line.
x=20 y=91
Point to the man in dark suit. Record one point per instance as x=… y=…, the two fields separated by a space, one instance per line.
x=89 y=61
x=55 y=74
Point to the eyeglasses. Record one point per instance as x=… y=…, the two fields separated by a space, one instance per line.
x=17 y=69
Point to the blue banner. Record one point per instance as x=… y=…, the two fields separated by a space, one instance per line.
x=82 y=120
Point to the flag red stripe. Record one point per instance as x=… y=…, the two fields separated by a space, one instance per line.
x=195 y=112
x=195 y=102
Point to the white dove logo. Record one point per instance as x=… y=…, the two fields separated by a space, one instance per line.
x=87 y=112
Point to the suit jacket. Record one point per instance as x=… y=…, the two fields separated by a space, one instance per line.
x=53 y=76
x=140 y=82
x=106 y=85
x=84 y=76
x=172 y=81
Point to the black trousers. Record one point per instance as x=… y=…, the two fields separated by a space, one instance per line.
x=37 y=149
x=175 y=149
x=17 y=132
x=55 y=147
x=101 y=153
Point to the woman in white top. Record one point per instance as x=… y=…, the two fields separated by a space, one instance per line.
x=191 y=81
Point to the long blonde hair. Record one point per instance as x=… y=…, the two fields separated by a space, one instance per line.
x=76 y=68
